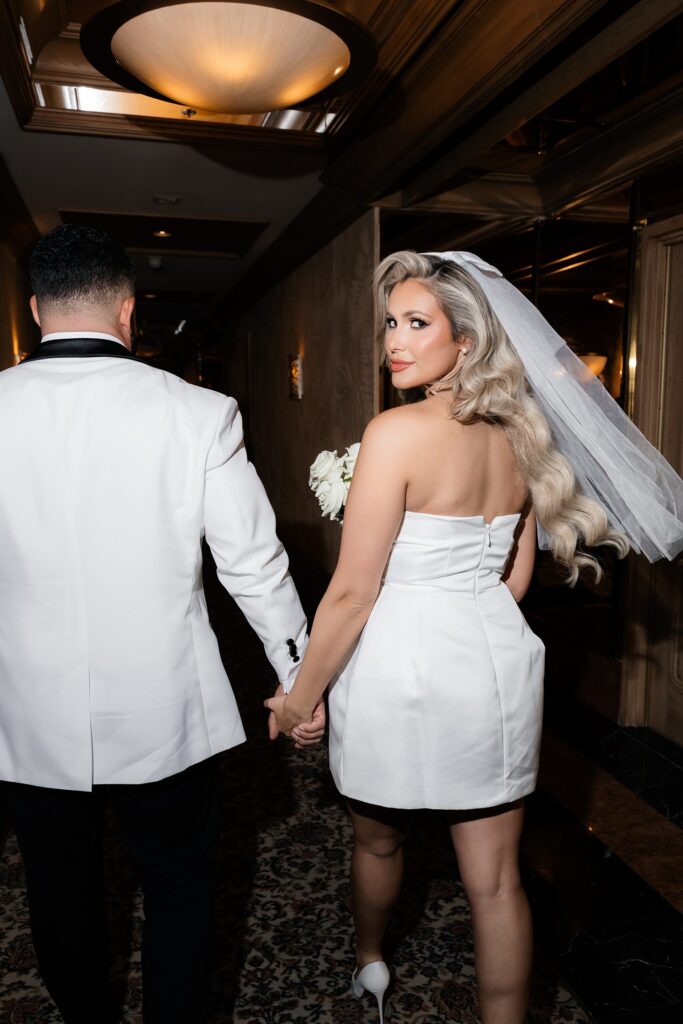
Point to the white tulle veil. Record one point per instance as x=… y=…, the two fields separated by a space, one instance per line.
x=613 y=462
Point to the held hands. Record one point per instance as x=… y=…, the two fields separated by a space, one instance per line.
x=304 y=728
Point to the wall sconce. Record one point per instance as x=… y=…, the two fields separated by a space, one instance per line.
x=595 y=363
x=296 y=377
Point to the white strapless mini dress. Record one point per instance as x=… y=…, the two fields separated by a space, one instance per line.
x=440 y=704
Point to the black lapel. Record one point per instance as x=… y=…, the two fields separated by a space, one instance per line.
x=79 y=347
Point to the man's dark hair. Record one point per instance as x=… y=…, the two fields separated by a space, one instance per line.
x=74 y=264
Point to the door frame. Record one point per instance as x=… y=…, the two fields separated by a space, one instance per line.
x=650 y=351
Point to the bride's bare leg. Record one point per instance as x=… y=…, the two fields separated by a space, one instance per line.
x=376 y=873
x=487 y=848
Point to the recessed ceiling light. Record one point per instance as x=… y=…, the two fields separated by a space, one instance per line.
x=611 y=298
x=150 y=295
x=161 y=233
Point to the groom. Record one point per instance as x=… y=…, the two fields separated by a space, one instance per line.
x=111 y=682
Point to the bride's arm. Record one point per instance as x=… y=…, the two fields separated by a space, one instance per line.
x=520 y=567
x=374 y=511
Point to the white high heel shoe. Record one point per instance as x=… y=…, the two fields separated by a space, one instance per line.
x=373 y=978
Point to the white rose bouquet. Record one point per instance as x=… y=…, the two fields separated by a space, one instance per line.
x=330 y=479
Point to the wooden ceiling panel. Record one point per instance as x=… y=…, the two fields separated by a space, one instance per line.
x=80 y=10
x=227 y=238
x=475 y=119
x=61 y=62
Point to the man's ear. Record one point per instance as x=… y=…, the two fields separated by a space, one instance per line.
x=126 y=315
x=33 y=303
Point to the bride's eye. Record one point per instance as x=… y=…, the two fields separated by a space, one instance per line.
x=420 y=323
x=391 y=322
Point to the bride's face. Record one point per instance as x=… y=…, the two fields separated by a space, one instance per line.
x=419 y=343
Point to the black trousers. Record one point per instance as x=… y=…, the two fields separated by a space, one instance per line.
x=170 y=828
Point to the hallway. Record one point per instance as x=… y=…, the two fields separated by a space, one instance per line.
x=284 y=949
x=544 y=138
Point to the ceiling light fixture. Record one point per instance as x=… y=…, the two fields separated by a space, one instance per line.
x=611 y=298
x=162 y=233
x=237 y=58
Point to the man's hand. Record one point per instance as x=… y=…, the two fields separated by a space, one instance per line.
x=304 y=734
x=273 y=728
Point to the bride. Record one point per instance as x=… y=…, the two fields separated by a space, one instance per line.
x=436 y=696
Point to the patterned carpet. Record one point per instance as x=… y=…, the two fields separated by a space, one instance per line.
x=284 y=933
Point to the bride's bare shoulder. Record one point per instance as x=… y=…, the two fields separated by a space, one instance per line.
x=415 y=412
x=394 y=424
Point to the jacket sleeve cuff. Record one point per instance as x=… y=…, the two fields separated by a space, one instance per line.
x=296 y=651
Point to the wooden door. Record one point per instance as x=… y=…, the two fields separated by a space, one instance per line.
x=652 y=691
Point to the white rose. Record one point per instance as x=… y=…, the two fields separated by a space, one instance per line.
x=321 y=492
x=350 y=458
x=321 y=467
x=337 y=470
x=333 y=478
x=333 y=497
x=333 y=475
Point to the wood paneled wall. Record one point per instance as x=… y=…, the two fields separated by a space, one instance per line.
x=18 y=235
x=652 y=676
x=323 y=311
x=18 y=333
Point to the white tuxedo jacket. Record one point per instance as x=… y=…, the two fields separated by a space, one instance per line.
x=111 y=472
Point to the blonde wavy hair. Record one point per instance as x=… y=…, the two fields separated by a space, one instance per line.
x=491 y=386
